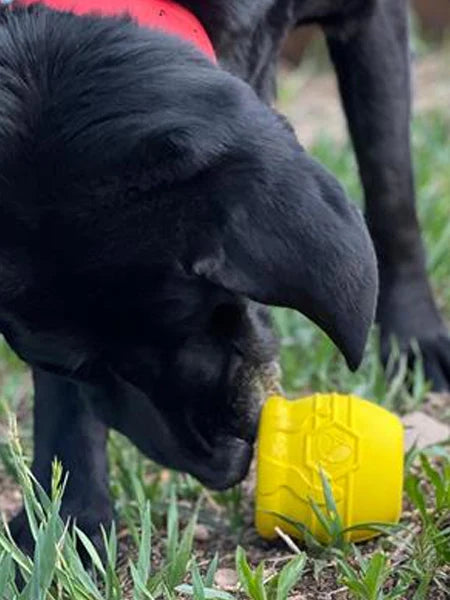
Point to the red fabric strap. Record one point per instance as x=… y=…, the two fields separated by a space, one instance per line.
x=166 y=15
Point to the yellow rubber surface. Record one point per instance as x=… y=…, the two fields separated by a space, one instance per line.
x=357 y=444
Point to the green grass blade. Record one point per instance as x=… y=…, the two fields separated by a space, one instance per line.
x=197 y=583
x=289 y=576
x=112 y=583
x=251 y=582
x=7 y=572
x=258 y=580
x=210 y=594
x=140 y=587
x=179 y=566
x=375 y=575
x=244 y=572
x=415 y=492
x=75 y=572
x=322 y=518
x=45 y=555
x=145 y=547
x=8 y=545
x=211 y=572
x=91 y=551
x=172 y=527
x=436 y=480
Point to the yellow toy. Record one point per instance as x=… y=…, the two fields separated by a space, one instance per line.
x=357 y=444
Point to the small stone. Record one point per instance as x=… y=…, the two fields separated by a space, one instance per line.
x=226 y=579
x=201 y=533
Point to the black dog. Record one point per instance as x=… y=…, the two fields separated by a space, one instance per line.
x=150 y=202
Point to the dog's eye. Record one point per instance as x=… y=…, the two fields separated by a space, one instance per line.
x=226 y=319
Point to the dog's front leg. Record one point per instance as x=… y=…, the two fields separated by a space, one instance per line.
x=372 y=63
x=66 y=428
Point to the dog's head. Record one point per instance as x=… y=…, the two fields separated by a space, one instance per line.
x=150 y=206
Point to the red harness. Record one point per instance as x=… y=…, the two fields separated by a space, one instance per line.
x=166 y=15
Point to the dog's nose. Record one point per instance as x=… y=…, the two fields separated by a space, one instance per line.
x=230 y=464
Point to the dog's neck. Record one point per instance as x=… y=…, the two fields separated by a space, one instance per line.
x=166 y=15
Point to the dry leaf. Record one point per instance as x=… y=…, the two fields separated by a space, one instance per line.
x=423 y=430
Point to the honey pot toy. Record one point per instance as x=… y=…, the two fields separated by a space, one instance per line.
x=357 y=444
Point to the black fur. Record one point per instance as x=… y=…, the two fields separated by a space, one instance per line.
x=149 y=201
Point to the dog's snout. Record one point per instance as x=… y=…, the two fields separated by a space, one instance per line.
x=230 y=464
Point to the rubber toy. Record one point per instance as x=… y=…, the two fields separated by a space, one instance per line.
x=358 y=446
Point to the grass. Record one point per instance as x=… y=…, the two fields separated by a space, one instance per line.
x=56 y=571
x=154 y=546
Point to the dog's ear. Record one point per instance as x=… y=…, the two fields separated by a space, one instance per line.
x=292 y=239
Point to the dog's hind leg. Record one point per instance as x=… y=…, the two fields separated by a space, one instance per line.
x=66 y=428
x=372 y=64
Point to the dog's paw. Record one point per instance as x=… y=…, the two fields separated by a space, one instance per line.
x=434 y=352
x=407 y=313
x=91 y=525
